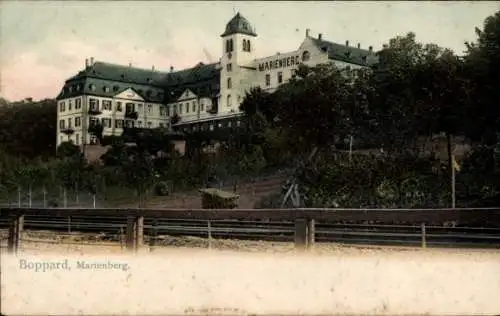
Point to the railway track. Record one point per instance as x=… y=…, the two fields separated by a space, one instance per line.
x=347 y=233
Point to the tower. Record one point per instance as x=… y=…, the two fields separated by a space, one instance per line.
x=237 y=50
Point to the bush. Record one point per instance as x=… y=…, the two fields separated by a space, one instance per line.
x=162 y=188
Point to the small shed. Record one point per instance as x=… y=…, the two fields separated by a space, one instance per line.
x=218 y=199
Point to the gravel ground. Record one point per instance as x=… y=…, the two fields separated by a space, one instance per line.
x=40 y=241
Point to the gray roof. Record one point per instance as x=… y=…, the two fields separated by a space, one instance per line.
x=346 y=53
x=239 y=25
x=107 y=80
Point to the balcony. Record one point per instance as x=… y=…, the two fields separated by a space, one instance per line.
x=94 y=111
x=67 y=131
x=131 y=115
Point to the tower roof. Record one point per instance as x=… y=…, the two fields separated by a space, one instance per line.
x=239 y=25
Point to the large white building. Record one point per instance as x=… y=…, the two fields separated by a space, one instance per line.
x=204 y=97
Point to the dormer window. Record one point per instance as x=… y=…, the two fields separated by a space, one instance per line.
x=106 y=89
x=116 y=88
x=92 y=87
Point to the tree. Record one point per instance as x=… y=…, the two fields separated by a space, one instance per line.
x=312 y=108
x=28 y=129
x=483 y=66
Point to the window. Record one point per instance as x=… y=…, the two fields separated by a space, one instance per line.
x=202 y=106
x=62 y=107
x=194 y=106
x=106 y=105
x=94 y=104
x=116 y=88
x=129 y=123
x=175 y=109
x=118 y=123
x=70 y=105
x=139 y=108
x=280 y=77
x=78 y=121
x=293 y=72
x=268 y=80
x=248 y=46
x=118 y=106
x=229 y=100
x=61 y=124
x=187 y=107
x=229 y=67
x=167 y=110
x=150 y=124
x=180 y=108
x=77 y=138
x=229 y=45
x=78 y=104
x=162 y=110
x=94 y=121
x=106 y=122
x=306 y=56
x=69 y=122
x=105 y=88
x=129 y=107
x=92 y=87
x=211 y=127
x=150 y=108
x=139 y=124
x=229 y=83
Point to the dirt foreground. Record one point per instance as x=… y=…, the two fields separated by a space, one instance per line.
x=182 y=277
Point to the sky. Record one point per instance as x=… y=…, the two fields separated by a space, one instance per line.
x=43 y=43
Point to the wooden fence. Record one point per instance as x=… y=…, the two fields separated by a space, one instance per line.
x=304 y=218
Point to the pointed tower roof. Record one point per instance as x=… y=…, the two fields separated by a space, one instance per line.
x=239 y=25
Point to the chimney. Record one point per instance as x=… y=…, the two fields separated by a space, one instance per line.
x=91 y=61
x=171 y=68
x=320 y=36
x=307 y=32
x=359 y=45
x=370 y=48
x=346 y=43
x=86 y=62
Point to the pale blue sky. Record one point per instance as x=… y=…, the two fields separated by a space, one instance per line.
x=43 y=43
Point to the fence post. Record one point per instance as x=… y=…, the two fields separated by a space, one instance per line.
x=301 y=233
x=311 y=232
x=130 y=233
x=15 y=229
x=139 y=232
x=209 y=227
x=134 y=232
x=424 y=237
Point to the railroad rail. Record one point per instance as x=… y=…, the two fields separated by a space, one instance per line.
x=404 y=234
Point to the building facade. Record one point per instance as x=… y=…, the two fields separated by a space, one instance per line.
x=204 y=97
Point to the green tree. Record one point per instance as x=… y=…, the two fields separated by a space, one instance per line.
x=483 y=65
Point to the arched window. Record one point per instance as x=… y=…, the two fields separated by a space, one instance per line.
x=306 y=56
x=229 y=100
x=231 y=45
x=229 y=83
x=248 y=46
x=244 y=45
